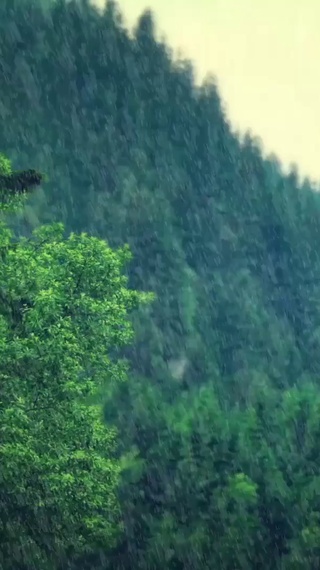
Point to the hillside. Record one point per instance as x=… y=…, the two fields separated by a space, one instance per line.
x=219 y=422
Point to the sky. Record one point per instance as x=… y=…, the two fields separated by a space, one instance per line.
x=266 y=57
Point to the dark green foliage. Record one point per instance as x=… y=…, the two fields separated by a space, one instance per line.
x=19 y=182
x=218 y=426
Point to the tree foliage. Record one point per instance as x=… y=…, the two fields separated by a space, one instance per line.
x=64 y=307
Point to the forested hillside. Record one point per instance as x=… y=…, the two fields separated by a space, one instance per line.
x=218 y=422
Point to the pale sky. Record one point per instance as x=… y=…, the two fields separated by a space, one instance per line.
x=266 y=57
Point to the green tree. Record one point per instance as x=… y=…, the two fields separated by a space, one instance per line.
x=64 y=307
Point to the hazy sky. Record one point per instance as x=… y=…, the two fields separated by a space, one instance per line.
x=266 y=56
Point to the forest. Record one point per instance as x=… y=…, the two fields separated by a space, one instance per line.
x=159 y=312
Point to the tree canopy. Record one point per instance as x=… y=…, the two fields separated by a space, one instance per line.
x=64 y=306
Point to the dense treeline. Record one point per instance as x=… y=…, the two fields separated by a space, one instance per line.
x=218 y=422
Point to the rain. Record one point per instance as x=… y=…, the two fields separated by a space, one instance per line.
x=159 y=310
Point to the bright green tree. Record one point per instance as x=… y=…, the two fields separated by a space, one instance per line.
x=64 y=307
